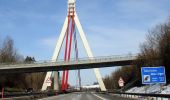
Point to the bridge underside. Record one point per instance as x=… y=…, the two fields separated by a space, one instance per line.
x=30 y=68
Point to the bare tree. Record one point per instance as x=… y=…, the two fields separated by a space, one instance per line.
x=155 y=51
x=8 y=54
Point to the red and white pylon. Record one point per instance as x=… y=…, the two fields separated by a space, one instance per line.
x=67 y=30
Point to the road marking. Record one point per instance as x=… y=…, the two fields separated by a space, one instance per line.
x=77 y=97
x=47 y=98
x=99 y=97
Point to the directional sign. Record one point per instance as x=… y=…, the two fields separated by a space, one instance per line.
x=121 y=82
x=152 y=75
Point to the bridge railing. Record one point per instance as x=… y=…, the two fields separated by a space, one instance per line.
x=80 y=60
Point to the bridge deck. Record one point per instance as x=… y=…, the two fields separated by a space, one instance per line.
x=72 y=65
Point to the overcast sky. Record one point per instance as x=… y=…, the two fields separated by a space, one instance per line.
x=112 y=27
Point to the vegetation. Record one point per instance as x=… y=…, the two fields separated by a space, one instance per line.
x=155 y=51
x=8 y=54
x=33 y=80
x=20 y=81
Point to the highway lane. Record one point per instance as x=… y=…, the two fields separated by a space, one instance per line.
x=85 y=96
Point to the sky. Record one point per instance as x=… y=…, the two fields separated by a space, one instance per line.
x=112 y=27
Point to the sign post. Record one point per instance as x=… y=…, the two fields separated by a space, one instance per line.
x=153 y=75
x=2 y=93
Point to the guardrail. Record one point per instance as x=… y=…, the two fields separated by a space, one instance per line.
x=22 y=95
x=144 y=96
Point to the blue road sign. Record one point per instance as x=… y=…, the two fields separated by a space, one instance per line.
x=152 y=75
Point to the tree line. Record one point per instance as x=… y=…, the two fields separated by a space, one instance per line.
x=155 y=51
x=18 y=81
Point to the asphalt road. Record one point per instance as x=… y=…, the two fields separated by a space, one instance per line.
x=84 y=96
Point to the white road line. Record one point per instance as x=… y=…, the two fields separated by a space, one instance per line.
x=52 y=97
x=77 y=97
x=99 y=97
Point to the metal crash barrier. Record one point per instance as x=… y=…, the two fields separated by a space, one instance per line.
x=144 y=96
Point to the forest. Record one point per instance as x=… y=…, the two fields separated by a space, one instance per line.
x=18 y=81
x=154 y=52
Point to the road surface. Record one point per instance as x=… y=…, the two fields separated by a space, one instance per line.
x=85 y=96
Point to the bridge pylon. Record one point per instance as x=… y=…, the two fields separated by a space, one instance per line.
x=72 y=15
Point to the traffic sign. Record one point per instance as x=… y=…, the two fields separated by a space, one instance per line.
x=121 y=82
x=152 y=75
x=48 y=80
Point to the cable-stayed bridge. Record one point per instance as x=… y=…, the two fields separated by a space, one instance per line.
x=60 y=65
